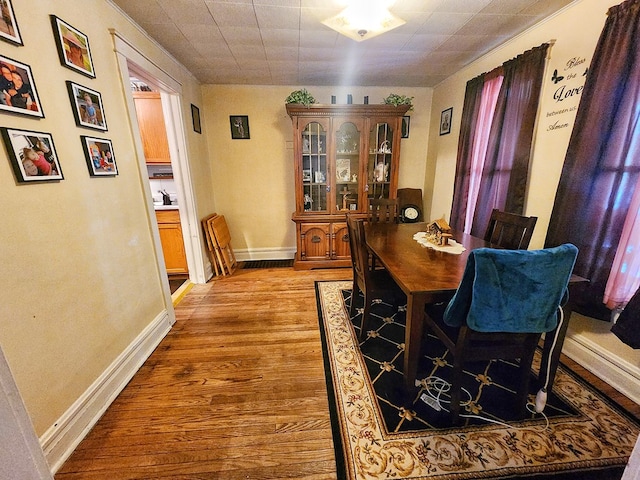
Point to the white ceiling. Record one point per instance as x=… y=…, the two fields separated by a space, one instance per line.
x=283 y=42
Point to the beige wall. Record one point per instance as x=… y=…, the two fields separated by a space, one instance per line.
x=253 y=179
x=576 y=30
x=80 y=277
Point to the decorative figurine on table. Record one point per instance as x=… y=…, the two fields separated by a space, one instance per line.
x=439 y=232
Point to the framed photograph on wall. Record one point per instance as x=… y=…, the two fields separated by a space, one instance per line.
x=8 y=26
x=18 y=89
x=87 y=106
x=195 y=118
x=101 y=160
x=32 y=154
x=445 y=121
x=73 y=47
x=239 y=127
x=406 y=120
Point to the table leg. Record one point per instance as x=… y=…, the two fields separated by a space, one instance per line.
x=413 y=338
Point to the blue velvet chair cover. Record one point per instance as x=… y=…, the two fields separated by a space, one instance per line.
x=512 y=290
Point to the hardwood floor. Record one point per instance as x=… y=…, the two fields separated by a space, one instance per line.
x=235 y=391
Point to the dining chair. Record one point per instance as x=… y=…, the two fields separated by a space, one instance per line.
x=373 y=284
x=383 y=210
x=509 y=230
x=221 y=239
x=505 y=301
x=211 y=243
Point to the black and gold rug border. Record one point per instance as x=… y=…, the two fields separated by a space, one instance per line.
x=596 y=469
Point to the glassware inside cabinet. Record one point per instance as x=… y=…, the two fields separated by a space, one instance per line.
x=347 y=166
x=380 y=160
x=314 y=167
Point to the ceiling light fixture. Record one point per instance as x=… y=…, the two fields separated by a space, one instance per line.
x=364 y=19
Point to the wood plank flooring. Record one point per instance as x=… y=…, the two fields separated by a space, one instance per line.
x=235 y=391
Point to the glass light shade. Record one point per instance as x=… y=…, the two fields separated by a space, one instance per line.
x=364 y=19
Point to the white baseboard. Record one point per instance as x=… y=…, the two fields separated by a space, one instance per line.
x=606 y=365
x=59 y=441
x=246 y=254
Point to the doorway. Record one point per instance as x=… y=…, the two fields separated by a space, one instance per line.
x=133 y=63
x=153 y=131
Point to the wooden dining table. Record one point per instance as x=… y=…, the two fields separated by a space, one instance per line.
x=427 y=276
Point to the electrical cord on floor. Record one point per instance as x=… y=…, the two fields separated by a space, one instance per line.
x=440 y=386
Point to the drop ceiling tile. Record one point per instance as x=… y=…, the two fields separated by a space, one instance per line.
x=462 y=6
x=278 y=17
x=444 y=23
x=232 y=14
x=147 y=9
x=187 y=11
x=273 y=37
x=241 y=36
x=544 y=8
x=284 y=54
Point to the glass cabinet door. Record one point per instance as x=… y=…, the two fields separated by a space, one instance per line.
x=314 y=167
x=380 y=165
x=347 y=168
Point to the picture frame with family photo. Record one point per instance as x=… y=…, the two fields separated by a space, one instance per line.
x=18 y=92
x=9 y=31
x=100 y=157
x=86 y=103
x=73 y=47
x=32 y=155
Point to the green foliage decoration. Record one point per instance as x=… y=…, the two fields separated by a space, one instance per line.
x=301 y=96
x=397 y=100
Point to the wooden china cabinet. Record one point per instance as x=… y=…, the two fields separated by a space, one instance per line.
x=344 y=155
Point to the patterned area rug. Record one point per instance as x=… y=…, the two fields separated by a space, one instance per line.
x=380 y=433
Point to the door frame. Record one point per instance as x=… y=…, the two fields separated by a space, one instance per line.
x=133 y=62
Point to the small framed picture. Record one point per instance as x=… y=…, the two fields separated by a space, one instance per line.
x=87 y=106
x=32 y=154
x=17 y=89
x=306 y=175
x=239 y=127
x=445 y=121
x=8 y=26
x=405 y=126
x=98 y=152
x=195 y=117
x=73 y=47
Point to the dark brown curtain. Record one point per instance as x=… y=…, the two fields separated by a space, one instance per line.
x=506 y=169
x=600 y=172
x=470 y=109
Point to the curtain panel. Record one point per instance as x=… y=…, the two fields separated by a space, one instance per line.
x=504 y=179
x=602 y=163
x=506 y=163
x=468 y=122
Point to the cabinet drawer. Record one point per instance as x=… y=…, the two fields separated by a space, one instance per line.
x=168 y=216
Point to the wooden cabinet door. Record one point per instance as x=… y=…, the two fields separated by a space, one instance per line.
x=340 y=237
x=152 y=128
x=315 y=241
x=175 y=257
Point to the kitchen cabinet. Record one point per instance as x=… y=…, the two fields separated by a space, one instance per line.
x=344 y=155
x=175 y=257
x=152 y=128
